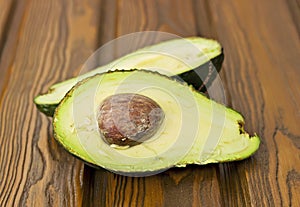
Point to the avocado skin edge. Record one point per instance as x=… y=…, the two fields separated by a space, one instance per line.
x=47 y=109
x=149 y=173
x=190 y=77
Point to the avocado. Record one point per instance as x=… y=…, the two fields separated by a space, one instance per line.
x=194 y=60
x=171 y=124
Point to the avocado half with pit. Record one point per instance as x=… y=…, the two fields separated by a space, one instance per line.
x=194 y=60
x=140 y=121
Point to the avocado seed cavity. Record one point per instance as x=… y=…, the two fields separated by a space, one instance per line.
x=128 y=119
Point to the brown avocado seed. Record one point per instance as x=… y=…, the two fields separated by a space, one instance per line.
x=128 y=119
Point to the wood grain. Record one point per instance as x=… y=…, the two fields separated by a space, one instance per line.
x=260 y=68
x=7 y=9
x=47 y=46
x=43 y=42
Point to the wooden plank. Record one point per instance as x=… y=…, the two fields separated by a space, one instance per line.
x=262 y=52
x=7 y=9
x=8 y=22
x=176 y=187
x=47 y=42
x=156 y=15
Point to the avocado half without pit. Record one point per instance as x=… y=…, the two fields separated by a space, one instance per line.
x=194 y=60
x=140 y=121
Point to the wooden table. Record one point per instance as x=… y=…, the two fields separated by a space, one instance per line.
x=43 y=42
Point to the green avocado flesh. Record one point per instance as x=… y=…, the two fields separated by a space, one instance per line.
x=195 y=129
x=186 y=58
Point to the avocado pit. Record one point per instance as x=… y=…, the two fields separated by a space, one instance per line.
x=129 y=119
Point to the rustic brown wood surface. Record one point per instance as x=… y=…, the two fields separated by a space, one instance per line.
x=43 y=42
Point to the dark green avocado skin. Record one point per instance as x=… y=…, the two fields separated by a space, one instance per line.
x=47 y=109
x=192 y=77
x=203 y=76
